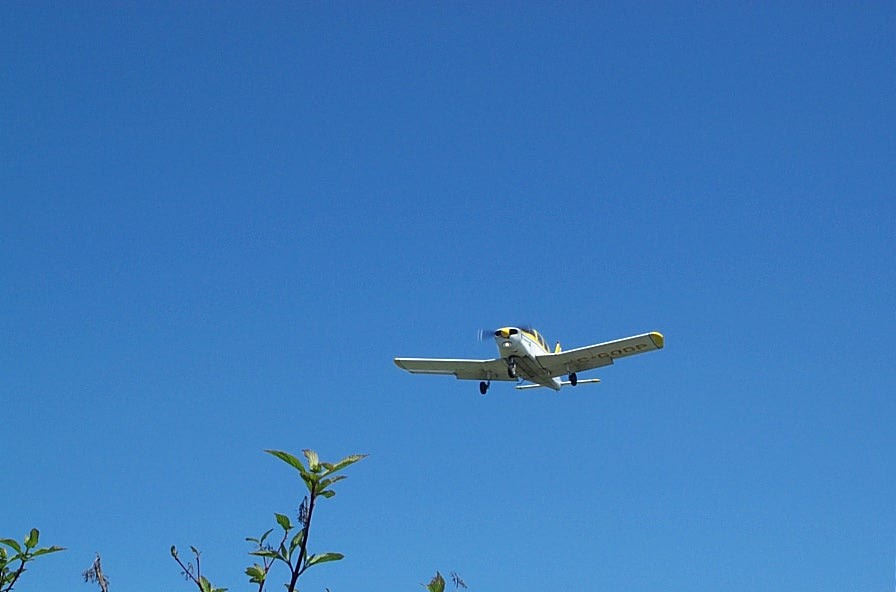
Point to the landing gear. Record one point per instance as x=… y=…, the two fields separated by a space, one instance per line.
x=483 y=388
x=511 y=368
x=573 y=379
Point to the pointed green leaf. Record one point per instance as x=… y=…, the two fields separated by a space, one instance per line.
x=328 y=493
x=313 y=460
x=437 y=584
x=283 y=521
x=47 y=550
x=256 y=574
x=13 y=544
x=327 y=482
x=323 y=558
x=267 y=553
x=348 y=460
x=296 y=541
x=206 y=586
x=290 y=460
x=260 y=541
x=32 y=538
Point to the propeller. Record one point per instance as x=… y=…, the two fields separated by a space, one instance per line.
x=484 y=334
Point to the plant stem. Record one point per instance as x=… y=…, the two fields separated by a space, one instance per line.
x=298 y=569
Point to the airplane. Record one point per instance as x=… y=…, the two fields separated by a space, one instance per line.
x=524 y=356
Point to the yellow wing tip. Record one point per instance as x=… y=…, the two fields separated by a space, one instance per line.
x=658 y=340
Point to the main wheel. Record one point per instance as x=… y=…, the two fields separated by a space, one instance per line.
x=483 y=388
x=573 y=379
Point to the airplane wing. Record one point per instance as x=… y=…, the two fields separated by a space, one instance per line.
x=463 y=369
x=602 y=354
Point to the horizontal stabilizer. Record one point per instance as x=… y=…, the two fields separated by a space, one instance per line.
x=521 y=387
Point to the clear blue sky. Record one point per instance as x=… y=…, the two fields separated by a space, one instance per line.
x=220 y=223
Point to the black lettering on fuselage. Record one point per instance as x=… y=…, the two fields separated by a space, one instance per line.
x=623 y=351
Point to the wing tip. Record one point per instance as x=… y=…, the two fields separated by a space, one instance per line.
x=657 y=338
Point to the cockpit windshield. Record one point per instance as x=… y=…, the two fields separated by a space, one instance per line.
x=537 y=337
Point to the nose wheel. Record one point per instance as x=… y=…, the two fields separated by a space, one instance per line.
x=483 y=387
x=511 y=368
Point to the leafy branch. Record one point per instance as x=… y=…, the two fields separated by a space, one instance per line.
x=195 y=574
x=437 y=583
x=319 y=478
x=14 y=556
x=292 y=548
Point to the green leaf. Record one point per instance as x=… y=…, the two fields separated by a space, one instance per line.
x=437 y=584
x=283 y=521
x=323 y=558
x=206 y=586
x=296 y=541
x=313 y=460
x=267 y=553
x=47 y=550
x=328 y=493
x=12 y=544
x=32 y=538
x=290 y=460
x=348 y=460
x=327 y=482
x=256 y=574
x=260 y=541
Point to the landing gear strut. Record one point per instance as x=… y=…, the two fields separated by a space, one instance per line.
x=511 y=368
x=483 y=387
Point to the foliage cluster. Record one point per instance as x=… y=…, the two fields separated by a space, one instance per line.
x=14 y=556
x=288 y=549
x=292 y=548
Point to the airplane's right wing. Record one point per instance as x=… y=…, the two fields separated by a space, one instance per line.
x=463 y=369
x=601 y=354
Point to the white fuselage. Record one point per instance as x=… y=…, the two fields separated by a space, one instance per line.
x=520 y=347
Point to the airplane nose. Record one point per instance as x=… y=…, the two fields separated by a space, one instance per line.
x=505 y=332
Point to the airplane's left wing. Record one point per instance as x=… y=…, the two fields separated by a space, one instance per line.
x=463 y=369
x=601 y=354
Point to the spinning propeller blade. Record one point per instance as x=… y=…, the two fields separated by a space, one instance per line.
x=484 y=334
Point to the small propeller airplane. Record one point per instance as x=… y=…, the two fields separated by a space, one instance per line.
x=525 y=357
